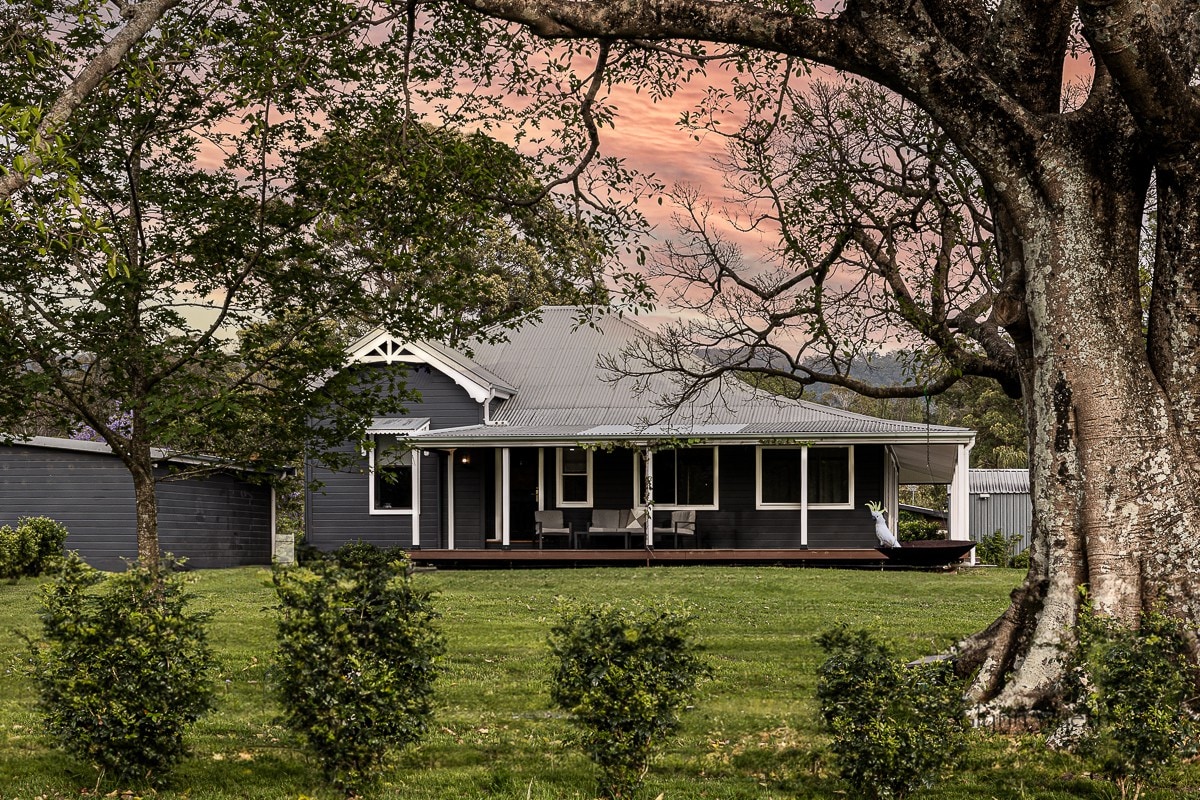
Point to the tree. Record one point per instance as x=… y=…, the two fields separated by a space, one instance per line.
x=166 y=281
x=453 y=222
x=1000 y=438
x=1109 y=385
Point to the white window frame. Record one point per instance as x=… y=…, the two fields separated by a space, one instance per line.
x=416 y=484
x=805 y=451
x=558 y=480
x=716 y=503
x=759 y=504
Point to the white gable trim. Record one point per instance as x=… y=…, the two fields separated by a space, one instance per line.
x=383 y=348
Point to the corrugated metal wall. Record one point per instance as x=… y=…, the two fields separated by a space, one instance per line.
x=1007 y=512
x=1000 y=502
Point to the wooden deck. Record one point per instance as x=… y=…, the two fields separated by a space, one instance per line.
x=516 y=558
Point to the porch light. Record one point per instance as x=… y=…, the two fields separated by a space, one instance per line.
x=466 y=459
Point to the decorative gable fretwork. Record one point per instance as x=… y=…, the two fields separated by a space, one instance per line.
x=383 y=348
x=386 y=350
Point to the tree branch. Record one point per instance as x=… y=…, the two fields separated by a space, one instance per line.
x=142 y=18
x=1145 y=70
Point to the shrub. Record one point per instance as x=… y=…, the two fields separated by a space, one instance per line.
x=49 y=537
x=1134 y=685
x=997 y=548
x=356 y=660
x=17 y=552
x=623 y=675
x=912 y=528
x=124 y=669
x=31 y=548
x=895 y=727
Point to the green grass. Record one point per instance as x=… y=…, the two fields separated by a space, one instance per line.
x=752 y=734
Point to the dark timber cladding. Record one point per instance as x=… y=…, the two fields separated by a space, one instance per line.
x=218 y=520
x=338 y=511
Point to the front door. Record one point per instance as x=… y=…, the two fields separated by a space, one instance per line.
x=523 y=485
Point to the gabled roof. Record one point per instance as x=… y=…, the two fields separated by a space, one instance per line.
x=561 y=391
x=380 y=347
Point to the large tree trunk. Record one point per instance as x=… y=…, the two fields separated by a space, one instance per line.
x=1112 y=459
x=1112 y=389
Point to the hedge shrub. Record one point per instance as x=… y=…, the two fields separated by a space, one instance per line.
x=1134 y=684
x=125 y=668
x=624 y=675
x=357 y=659
x=896 y=728
x=32 y=547
x=914 y=528
x=998 y=548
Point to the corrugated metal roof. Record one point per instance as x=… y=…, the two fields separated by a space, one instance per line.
x=471 y=367
x=554 y=361
x=999 y=481
x=157 y=454
x=398 y=424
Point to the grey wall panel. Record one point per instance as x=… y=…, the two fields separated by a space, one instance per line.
x=219 y=521
x=212 y=521
x=431 y=498
x=739 y=525
x=445 y=403
x=469 y=510
x=1010 y=513
x=339 y=511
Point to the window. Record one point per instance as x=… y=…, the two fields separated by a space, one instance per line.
x=830 y=477
x=686 y=477
x=392 y=476
x=830 y=481
x=779 y=476
x=574 y=476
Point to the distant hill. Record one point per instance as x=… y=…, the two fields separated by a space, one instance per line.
x=880 y=369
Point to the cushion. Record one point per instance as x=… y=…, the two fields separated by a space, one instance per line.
x=549 y=519
x=606 y=518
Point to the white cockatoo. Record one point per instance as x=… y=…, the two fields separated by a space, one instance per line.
x=882 y=532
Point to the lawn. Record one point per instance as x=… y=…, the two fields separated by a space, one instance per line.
x=752 y=733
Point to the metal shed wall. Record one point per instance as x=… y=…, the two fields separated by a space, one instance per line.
x=1000 y=501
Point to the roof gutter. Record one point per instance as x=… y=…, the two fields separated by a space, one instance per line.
x=560 y=440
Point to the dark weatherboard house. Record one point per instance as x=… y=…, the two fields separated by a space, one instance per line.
x=529 y=442
x=214 y=520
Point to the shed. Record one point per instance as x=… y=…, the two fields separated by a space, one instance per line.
x=999 y=501
x=218 y=519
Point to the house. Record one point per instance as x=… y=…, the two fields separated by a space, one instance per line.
x=533 y=423
x=1000 y=501
x=219 y=519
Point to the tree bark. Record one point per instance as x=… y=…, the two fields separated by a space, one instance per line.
x=146 y=503
x=1112 y=471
